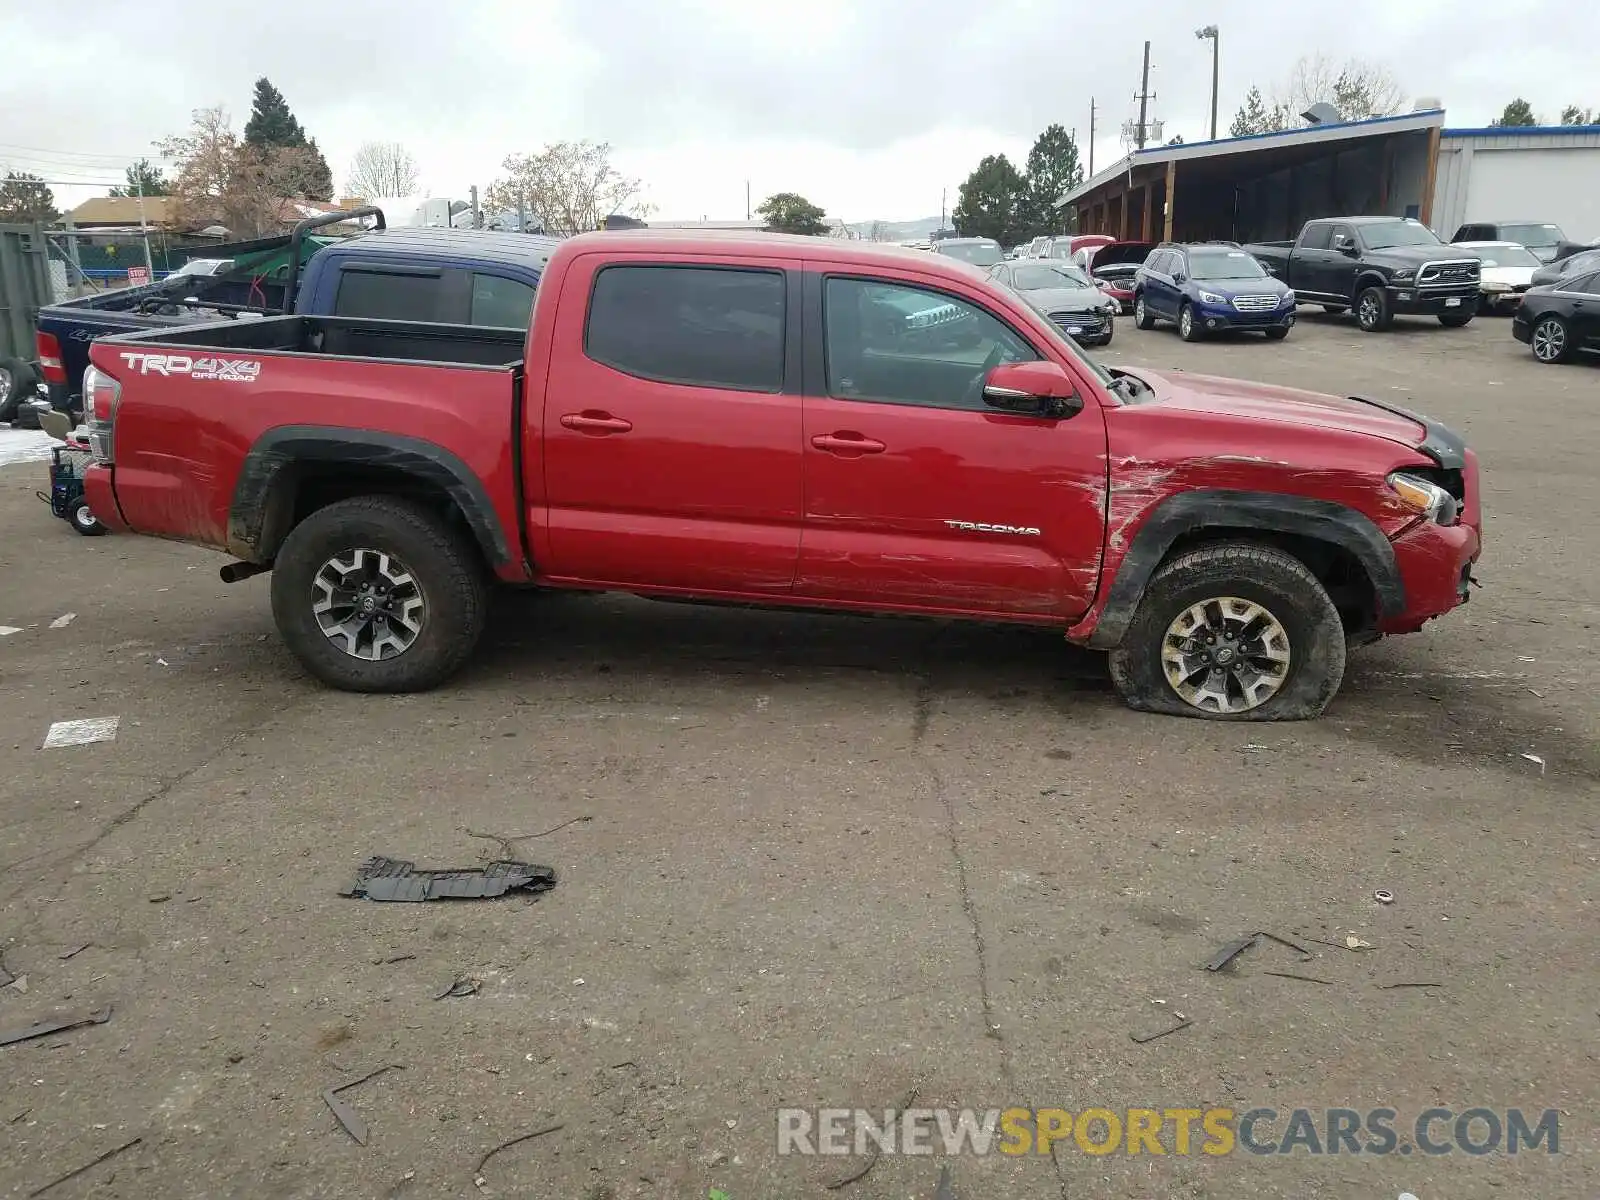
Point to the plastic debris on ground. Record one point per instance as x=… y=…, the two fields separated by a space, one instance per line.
x=381 y=878
x=81 y=733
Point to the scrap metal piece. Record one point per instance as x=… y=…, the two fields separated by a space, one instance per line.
x=516 y=1141
x=45 y=1028
x=1230 y=952
x=74 y=1173
x=1407 y=984
x=1141 y=1039
x=381 y=878
x=348 y=1117
x=75 y=951
x=1301 y=978
x=1283 y=941
x=464 y=985
x=1383 y=896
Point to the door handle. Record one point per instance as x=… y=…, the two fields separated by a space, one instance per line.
x=847 y=443
x=593 y=422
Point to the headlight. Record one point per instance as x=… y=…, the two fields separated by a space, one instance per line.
x=1492 y=286
x=1405 y=276
x=1212 y=298
x=1427 y=498
x=1288 y=298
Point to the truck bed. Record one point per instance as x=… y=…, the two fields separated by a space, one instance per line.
x=346 y=337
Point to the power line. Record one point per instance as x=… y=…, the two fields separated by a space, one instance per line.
x=51 y=152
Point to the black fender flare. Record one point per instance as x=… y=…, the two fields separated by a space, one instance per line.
x=1368 y=277
x=257 y=524
x=1302 y=516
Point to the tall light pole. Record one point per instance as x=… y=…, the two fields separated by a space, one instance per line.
x=1209 y=33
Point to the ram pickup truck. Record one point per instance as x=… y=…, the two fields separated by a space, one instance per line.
x=458 y=276
x=1379 y=266
x=784 y=421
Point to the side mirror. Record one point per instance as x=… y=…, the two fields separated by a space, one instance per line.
x=1034 y=389
x=1179 y=277
x=1348 y=249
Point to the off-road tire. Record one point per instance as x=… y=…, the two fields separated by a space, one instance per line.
x=1142 y=316
x=1188 y=328
x=1278 y=582
x=447 y=571
x=82 y=518
x=1277 y=335
x=17 y=382
x=1455 y=320
x=1372 y=310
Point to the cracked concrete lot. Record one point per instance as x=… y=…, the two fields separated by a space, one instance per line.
x=804 y=861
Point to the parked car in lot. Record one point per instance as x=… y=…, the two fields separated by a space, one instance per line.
x=1580 y=262
x=1065 y=295
x=664 y=427
x=1540 y=237
x=1113 y=267
x=980 y=252
x=1506 y=272
x=1066 y=247
x=1210 y=289
x=1558 y=322
x=1380 y=266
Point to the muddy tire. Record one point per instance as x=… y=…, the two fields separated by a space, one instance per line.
x=1372 y=310
x=378 y=594
x=1232 y=632
x=1142 y=317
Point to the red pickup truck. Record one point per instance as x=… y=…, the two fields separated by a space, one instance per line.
x=784 y=421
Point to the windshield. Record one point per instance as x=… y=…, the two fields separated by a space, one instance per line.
x=1029 y=279
x=1505 y=256
x=1532 y=235
x=1386 y=234
x=1231 y=264
x=979 y=254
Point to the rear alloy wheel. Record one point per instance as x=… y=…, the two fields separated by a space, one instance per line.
x=1141 y=315
x=1551 y=342
x=1187 y=329
x=378 y=594
x=1232 y=632
x=1372 y=311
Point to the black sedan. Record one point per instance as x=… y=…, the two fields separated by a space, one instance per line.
x=1559 y=321
x=1065 y=295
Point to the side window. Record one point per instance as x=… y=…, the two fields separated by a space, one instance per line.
x=1587 y=284
x=702 y=326
x=388 y=295
x=1317 y=237
x=500 y=302
x=1178 y=264
x=1154 y=259
x=904 y=345
x=1343 y=236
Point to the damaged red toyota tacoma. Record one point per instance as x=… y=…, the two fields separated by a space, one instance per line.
x=789 y=422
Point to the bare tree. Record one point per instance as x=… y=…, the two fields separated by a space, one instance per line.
x=224 y=181
x=1358 y=89
x=878 y=231
x=382 y=171
x=568 y=187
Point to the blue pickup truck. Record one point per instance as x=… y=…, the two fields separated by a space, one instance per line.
x=446 y=276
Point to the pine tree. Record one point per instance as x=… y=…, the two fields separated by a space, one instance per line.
x=271 y=123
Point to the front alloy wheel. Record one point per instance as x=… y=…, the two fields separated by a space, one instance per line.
x=1550 y=340
x=1226 y=655
x=368 y=604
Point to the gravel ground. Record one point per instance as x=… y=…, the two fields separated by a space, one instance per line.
x=804 y=860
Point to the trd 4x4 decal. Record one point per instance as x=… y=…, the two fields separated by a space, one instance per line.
x=227 y=370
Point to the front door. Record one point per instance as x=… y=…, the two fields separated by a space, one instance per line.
x=668 y=428
x=917 y=494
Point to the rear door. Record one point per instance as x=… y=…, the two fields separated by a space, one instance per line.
x=1161 y=293
x=1585 y=296
x=916 y=493
x=1311 y=259
x=670 y=426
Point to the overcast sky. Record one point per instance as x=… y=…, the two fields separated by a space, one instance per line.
x=867 y=107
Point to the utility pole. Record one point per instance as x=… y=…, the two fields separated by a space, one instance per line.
x=1091 y=137
x=746 y=199
x=477 y=217
x=943 y=193
x=1143 y=97
x=522 y=212
x=1209 y=33
x=144 y=229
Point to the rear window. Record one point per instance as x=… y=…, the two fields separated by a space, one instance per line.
x=499 y=302
x=388 y=295
x=702 y=326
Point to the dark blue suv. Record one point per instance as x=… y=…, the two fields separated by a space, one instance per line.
x=1207 y=288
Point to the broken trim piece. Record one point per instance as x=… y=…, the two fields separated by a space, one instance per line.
x=62 y=1025
x=348 y=1117
x=381 y=878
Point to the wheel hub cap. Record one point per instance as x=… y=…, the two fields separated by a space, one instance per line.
x=1548 y=340
x=1225 y=655
x=368 y=604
